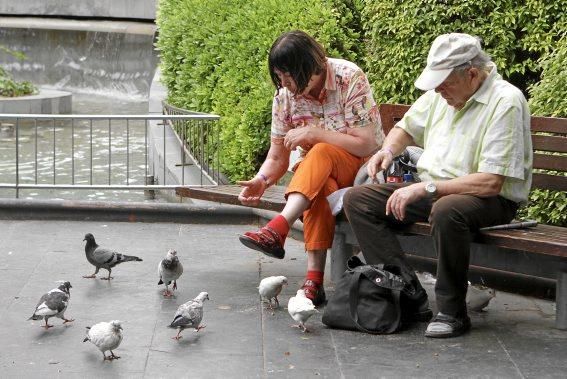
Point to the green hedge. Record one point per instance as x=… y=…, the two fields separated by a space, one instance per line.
x=549 y=98
x=214 y=59
x=400 y=32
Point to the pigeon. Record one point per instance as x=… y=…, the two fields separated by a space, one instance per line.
x=270 y=288
x=478 y=297
x=103 y=258
x=189 y=315
x=169 y=270
x=105 y=336
x=53 y=304
x=300 y=308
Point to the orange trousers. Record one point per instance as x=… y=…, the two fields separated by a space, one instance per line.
x=325 y=169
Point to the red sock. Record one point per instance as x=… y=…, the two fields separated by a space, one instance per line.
x=315 y=276
x=280 y=225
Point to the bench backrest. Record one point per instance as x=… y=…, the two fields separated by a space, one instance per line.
x=549 y=139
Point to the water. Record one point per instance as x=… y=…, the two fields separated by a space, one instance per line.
x=56 y=144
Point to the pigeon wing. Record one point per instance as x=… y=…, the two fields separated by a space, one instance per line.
x=104 y=257
x=188 y=315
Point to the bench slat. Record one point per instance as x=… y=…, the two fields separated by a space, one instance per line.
x=549 y=143
x=543 y=239
x=551 y=182
x=548 y=124
x=550 y=162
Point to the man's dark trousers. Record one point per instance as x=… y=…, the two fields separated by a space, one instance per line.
x=453 y=219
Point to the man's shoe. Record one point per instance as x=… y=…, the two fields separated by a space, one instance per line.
x=266 y=240
x=314 y=292
x=445 y=326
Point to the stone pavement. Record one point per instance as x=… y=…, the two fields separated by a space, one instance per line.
x=514 y=338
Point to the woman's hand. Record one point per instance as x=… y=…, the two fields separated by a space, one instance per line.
x=305 y=137
x=252 y=191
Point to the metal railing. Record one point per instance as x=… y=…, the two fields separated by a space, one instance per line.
x=103 y=152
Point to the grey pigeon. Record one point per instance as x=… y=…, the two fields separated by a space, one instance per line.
x=107 y=336
x=300 y=308
x=270 y=288
x=101 y=257
x=53 y=304
x=189 y=315
x=478 y=297
x=169 y=270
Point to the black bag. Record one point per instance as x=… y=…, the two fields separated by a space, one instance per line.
x=367 y=299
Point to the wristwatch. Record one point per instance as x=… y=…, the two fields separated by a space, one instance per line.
x=431 y=189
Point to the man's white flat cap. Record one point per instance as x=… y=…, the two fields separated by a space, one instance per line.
x=447 y=52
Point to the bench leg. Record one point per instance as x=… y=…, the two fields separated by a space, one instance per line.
x=340 y=253
x=561 y=300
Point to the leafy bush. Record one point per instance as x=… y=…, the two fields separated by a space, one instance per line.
x=549 y=98
x=8 y=86
x=400 y=32
x=214 y=59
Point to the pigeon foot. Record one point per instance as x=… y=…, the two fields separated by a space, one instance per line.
x=109 y=278
x=89 y=276
x=167 y=293
x=66 y=321
x=200 y=327
x=177 y=338
x=47 y=326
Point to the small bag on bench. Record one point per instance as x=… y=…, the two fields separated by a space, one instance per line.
x=366 y=298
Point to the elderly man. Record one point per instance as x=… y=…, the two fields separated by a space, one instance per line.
x=475 y=170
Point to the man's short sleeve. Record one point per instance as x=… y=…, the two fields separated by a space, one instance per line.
x=503 y=149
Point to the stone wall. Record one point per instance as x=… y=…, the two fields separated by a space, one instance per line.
x=121 y=9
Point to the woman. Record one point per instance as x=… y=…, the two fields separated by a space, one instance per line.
x=324 y=108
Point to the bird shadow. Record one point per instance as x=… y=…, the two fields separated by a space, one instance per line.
x=189 y=339
x=55 y=332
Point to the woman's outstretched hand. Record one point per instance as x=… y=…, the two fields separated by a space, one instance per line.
x=252 y=191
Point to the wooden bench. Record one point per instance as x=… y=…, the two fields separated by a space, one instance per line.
x=549 y=135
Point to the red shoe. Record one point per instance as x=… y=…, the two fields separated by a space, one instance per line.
x=266 y=240
x=314 y=292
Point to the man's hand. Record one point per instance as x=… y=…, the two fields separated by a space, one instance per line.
x=252 y=191
x=379 y=161
x=304 y=137
x=402 y=197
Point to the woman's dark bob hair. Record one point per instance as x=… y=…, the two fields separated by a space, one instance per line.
x=298 y=54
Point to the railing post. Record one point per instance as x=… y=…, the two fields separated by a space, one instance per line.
x=150 y=194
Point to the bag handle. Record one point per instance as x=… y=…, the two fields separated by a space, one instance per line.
x=353 y=300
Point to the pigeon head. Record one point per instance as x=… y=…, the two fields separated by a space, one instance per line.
x=203 y=296
x=171 y=253
x=89 y=238
x=282 y=280
x=65 y=286
x=116 y=325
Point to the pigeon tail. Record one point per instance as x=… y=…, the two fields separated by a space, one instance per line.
x=86 y=339
x=128 y=258
x=160 y=281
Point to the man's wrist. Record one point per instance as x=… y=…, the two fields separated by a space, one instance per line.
x=387 y=150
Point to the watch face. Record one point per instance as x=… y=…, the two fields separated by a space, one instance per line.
x=431 y=188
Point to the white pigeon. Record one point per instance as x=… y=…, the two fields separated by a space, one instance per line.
x=478 y=297
x=300 y=308
x=270 y=288
x=101 y=257
x=53 y=304
x=169 y=270
x=189 y=315
x=107 y=336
